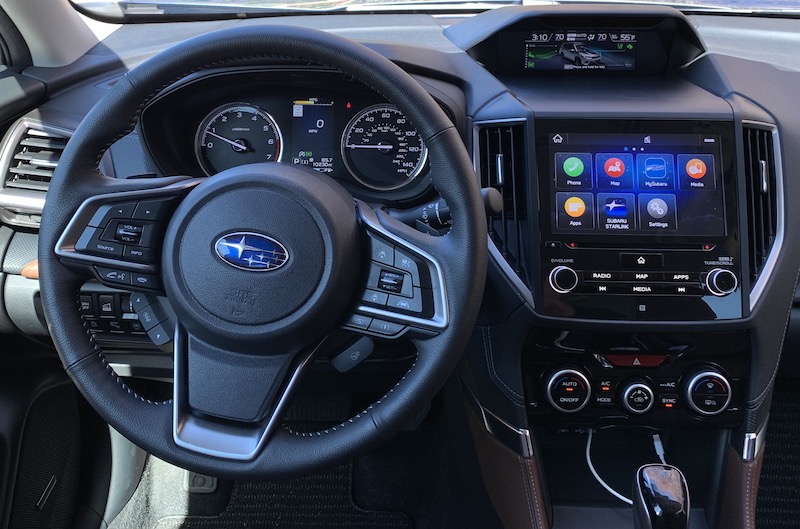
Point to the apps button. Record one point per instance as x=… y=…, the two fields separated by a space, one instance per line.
x=658 y=212
x=573 y=170
x=655 y=171
x=696 y=171
x=616 y=211
x=575 y=211
x=614 y=171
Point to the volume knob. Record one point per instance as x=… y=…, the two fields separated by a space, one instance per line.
x=721 y=282
x=563 y=279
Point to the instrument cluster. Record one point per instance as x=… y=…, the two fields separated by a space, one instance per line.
x=314 y=118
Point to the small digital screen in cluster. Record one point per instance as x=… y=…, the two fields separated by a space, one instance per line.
x=646 y=184
x=580 y=50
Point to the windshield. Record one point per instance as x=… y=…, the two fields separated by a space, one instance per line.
x=150 y=8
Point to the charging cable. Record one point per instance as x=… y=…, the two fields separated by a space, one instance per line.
x=596 y=475
x=659 y=448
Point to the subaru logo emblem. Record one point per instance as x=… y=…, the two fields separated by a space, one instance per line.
x=251 y=251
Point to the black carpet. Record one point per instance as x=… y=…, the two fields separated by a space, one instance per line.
x=778 y=504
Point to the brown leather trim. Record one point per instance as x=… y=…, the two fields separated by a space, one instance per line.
x=512 y=481
x=739 y=491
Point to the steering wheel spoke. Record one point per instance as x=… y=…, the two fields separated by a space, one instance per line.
x=116 y=236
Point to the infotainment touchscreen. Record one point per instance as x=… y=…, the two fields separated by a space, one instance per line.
x=645 y=182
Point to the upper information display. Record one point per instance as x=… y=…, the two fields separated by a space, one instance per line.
x=580 y=50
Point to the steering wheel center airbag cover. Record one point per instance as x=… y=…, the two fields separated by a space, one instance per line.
x=230 y=223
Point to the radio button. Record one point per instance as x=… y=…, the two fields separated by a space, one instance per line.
x=601 y=276
x=641 y=260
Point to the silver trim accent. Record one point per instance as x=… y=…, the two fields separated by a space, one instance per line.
x=517 y=439
x=760 y=285
x=549 y=390
x=65 y=247
x=441 y=312
x=749 y=447
x=693 y=381
x=711 y=282
x=243 y=246
x=631 y=388
x=227 y=441
x=551 y=278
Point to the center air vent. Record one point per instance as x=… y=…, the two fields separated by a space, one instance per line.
x=35 y=158
x=500 y=153
x=762 y=196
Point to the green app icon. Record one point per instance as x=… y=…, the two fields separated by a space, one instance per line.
x=573 y=167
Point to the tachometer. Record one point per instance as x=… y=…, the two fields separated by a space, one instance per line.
x=237 y=134
x=381 y=148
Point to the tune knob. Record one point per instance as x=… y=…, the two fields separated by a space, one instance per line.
x=708 y=392
x=637 y=397
x=721 y=281
x=563 y=279
x=568 y=390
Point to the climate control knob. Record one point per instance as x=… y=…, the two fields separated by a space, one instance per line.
x=721 y=281
x=637 y=397
x=568 y=390
x=708 y=392
x=563 y=279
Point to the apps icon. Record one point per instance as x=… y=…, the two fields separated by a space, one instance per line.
x=573 y=167
x=575 y=207
x=614 y=170
x=655 y=171
x=614 y=167
x=575 y=211
x=573 y=170
x=696 y=171
x=616 y=211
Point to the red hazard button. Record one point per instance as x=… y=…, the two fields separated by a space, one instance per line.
x=635 y=360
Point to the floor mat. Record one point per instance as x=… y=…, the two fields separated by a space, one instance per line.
x=778 y=504
x=319 y=501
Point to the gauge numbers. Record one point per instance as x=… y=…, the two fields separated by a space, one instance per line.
x=237 y=134
x=381 y=149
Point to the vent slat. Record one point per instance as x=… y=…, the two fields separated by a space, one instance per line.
x=501 y=152
x=762 y=214
x=35 y=158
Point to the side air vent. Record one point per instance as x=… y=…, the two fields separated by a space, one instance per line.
x=35 y=157
x=761 y=178
x=500 y=153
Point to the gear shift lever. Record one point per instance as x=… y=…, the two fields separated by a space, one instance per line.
x=660 y=498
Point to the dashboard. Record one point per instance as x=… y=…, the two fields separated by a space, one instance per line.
x=643 y=265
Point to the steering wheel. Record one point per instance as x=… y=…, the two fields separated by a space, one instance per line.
x=259 y=263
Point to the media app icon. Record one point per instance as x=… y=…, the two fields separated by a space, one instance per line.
x=575 y=207
x=657 y=208
x=573 y=167
x=614 y=167
x=616 y=207
x=655 y=167
x=696 y=168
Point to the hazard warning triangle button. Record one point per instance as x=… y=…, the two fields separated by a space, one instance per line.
x=635 y=360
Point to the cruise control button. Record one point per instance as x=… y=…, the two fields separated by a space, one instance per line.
x=385 y=327
x=113 y=276
x=373 y=296
x=90 y=242
x=160 y=334
x=155 y=209
x=405 y=262
x=391 y=281
x=381 y=252
x=358 y=321
x=413 y=304
x=104 y=214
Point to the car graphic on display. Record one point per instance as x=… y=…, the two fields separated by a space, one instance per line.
x=578 y=54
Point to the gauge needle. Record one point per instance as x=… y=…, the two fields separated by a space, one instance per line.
x=238 y=144
x=382 y=147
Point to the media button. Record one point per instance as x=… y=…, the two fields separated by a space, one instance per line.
x=616 y=211
x=573 y=170
x=641 y=260
x=575 y=211
x=696 y=171
x=614 y=171
x=655 y=172
x=657 y=212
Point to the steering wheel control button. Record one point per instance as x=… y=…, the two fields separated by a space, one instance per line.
x=641 y=260
x=391 y=281
x=405 y=262
x=160 y=334
x=151 y=316
x=113 y=276
x=638 y=398
x=375 y=297
x=568 y=391
x=353 y=355
x=381 y=252
x=106 y=213
x=413 y=304
x=91 y=243
x=148 y=281
x=157 y=209
x=721 y=282
x=138 y=254
x=357 y=321
x=140 y=301
x=563 y=279
x=708 y=393
x=387 y=328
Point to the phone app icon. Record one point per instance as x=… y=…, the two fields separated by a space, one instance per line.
x=575 y=207
x=616 y=207
x=657 y=208
x=696 y=168
x=655 y=167
x=573 y=167
x=614 y=167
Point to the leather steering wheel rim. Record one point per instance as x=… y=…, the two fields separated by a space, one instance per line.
x=148 y=423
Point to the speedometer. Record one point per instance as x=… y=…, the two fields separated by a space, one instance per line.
x=381 y=149
x=237 y=134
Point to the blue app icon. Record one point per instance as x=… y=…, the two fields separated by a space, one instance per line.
x=655 y=167
x=616 y=207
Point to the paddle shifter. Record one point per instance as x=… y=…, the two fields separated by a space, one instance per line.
x=660 y=498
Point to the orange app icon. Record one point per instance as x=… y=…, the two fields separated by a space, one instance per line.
x=575 y=207
x=696 y=168
x=614 y=167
